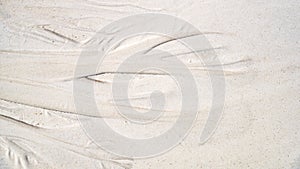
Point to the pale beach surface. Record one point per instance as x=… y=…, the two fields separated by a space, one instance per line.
x=256 y=42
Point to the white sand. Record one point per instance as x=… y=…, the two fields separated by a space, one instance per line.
x=256 y=41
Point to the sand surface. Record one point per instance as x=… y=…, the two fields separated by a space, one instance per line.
x=256 y=42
